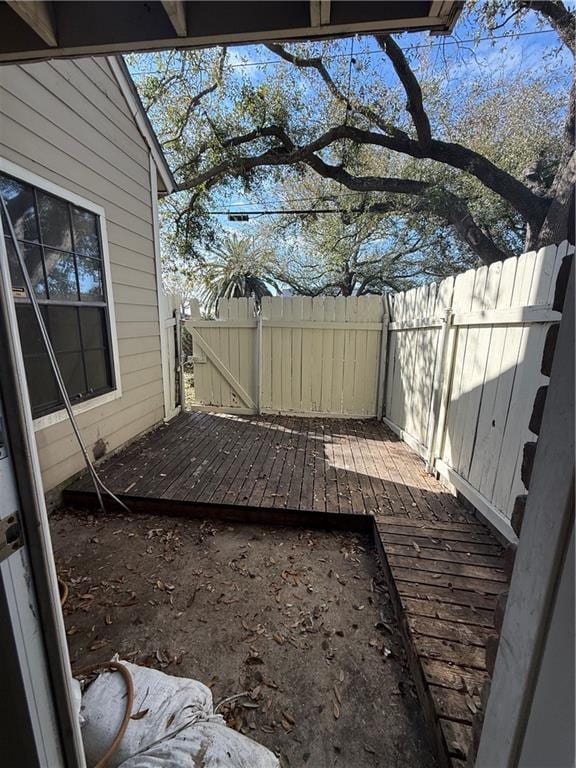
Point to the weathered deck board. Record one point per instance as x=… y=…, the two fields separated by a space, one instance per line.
x=280 y=462
x=444 y=567
x=445 y=599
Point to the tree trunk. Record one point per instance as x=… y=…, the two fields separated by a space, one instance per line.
x=559 y=222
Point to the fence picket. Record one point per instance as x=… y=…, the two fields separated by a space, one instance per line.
x=337 y=389
x=349 y=359
x=491 y=340
x=516 y=341
x=266 y=354
x=461 y=302
x=474 y=366
x=328 y=361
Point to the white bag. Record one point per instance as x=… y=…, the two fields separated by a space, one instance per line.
x=162 y=703
x=209 y=745
x=175 y=726
x=77 y=699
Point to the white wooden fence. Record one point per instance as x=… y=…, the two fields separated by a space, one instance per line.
x=464 y=365
x=299 y=355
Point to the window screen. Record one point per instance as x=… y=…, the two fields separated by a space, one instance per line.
x=61 y=246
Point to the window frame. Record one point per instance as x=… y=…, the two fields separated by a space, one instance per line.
x=29 y=177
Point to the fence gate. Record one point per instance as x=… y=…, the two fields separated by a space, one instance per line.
x=225 y=375
x=300 y=355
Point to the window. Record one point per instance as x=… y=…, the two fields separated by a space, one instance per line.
x=62 y=249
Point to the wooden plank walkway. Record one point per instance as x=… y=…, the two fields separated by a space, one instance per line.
x=445 y=579
x=445 y=569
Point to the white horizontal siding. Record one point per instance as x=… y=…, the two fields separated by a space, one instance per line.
x=30 y=100
x=67 y=122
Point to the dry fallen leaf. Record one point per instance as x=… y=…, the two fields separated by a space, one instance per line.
x=471 y=704
x=98 y=644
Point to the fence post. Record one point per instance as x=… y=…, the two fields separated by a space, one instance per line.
x=382 y=369
x=437 y=420
x=259 y=359
x=179 y=393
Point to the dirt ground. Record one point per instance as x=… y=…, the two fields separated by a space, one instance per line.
x=298 y=619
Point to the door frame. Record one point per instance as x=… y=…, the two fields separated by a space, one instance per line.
x=34 y=627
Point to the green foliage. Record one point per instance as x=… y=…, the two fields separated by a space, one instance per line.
x=238 y=267
x=353 y=251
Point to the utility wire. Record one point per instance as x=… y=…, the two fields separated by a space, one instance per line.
x=282 y=211
x=292 y=199
x=375 y=52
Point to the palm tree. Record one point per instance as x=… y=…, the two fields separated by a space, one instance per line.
x=239 y=268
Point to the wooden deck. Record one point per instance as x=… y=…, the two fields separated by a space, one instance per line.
x=445 y=568
x=277 y=463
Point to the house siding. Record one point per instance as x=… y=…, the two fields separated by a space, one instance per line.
x=68 y=122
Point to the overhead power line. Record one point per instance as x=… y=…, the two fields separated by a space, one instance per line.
x=244 y=215
x=285 y=200
x=375 y=52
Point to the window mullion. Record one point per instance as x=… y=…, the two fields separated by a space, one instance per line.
x=82 y=350
x=41 y=242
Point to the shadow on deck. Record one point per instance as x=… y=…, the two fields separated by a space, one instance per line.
x=445 y=569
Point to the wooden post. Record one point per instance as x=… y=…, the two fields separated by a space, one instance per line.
x=383 y=367
x=259 y=360
x=441 y=391
x=179 y=367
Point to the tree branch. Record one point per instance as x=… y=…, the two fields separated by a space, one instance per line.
x=440 y=202
x=195 y=100
x=351 y=105
x=415 y=104
x=530 y=206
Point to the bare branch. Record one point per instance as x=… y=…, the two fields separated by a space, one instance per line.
x=411 y=86
x=195 y=100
